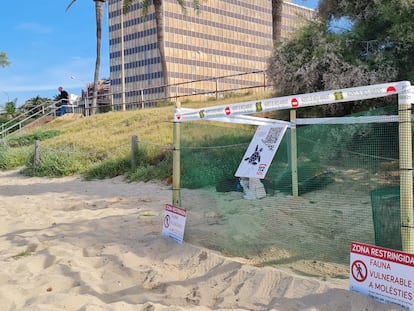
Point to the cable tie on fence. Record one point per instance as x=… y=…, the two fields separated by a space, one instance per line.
x=405 y=169
x=407 y=226
x=407 y=109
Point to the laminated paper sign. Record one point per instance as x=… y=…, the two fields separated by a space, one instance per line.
x=174 y=222
x=260 y=153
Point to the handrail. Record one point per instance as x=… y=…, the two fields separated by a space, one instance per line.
x=85 y=108
x=18 y=122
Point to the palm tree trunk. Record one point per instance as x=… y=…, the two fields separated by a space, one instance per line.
x=277 y=19
x=160 y=40
x=98 y=14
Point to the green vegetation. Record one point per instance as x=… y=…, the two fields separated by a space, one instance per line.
x=99 y=146
x=30 y=138
x=375 y=48
x=12 y=158
x=22 y=254
x=57 y=162
x=10 y=107
x=210 y=151
x=3 y=59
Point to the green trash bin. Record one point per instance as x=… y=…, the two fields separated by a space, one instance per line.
x=385 y=204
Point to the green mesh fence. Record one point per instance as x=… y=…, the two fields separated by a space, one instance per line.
x=348 y=178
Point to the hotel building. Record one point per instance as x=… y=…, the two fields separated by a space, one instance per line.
x=206 y=51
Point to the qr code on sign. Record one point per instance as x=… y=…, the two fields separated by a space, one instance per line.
x=272 y=137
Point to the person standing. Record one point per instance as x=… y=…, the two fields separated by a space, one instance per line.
x=64 y=100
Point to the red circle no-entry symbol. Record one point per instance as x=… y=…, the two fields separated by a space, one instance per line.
x=391 y=89
x=294 y=102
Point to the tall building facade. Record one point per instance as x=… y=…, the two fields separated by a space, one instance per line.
x=293 y=17
x=204 y=51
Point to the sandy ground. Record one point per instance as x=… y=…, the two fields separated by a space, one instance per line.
x=69 y=244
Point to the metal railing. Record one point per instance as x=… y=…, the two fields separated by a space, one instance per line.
x=105 y=101
x=148 y=98
x=28 y=117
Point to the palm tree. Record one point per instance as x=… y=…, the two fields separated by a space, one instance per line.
x=160 y=27
x=98 y=16
x=34 y=104
x=10 y=108
x=3 y=59
x=160 y=35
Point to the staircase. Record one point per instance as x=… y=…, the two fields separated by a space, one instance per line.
x=35 y=116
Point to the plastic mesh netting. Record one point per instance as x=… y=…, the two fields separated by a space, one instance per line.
x=348 y=181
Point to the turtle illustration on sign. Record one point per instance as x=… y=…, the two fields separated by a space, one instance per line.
x=255 y=157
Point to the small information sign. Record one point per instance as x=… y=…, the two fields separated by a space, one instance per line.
x=386 y=275
x=174 y=222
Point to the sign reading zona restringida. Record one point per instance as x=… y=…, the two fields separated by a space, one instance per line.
x=385 y=274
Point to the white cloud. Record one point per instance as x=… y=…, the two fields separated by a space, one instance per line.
x=25 y=84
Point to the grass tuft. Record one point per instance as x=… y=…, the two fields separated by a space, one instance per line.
x=22 y=254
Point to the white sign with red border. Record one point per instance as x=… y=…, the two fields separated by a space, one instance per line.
x=174 y=222
x=385 y=274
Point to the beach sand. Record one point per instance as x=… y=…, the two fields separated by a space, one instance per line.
x=69 y=244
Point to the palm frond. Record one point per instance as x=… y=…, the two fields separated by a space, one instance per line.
x=70 y=4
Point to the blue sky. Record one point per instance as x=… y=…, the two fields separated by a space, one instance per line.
x=48 y=47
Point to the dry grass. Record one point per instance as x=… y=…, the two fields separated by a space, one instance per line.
x=101 y=144
x=110 y=130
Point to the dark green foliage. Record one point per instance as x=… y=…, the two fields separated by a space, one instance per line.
x=317 y=60
x=309 y=179
x=206 y=167
x=30 y=138
x=354 y=9
x=108 y=169
x=35 y=105
x=382 y=32
x=153 y=163
x=377 y=139
x=10 y=107
x=211 y=153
